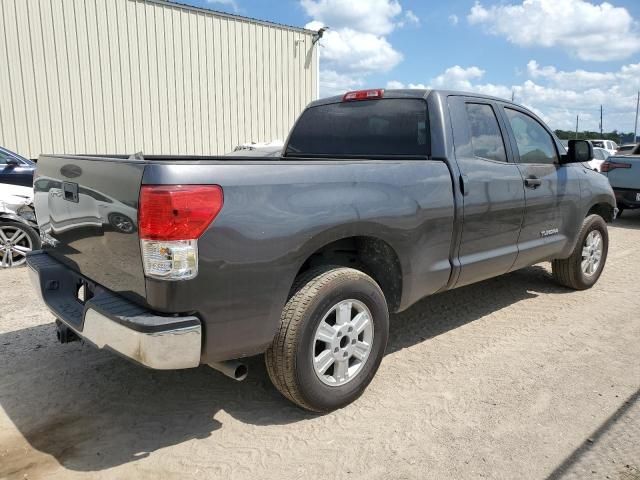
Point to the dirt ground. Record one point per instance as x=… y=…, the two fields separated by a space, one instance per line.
x=514 y=377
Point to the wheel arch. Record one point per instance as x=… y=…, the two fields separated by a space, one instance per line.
x=10 y=217
x=602 y=209
x=367 y=253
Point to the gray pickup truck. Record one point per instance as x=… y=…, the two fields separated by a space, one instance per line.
x=623 y=172
x=379 y=199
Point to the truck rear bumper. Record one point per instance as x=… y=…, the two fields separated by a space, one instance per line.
x=627 y=197
x=109 y=321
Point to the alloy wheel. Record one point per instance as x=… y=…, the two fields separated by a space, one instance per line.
x=15 y=243
x=342 y=342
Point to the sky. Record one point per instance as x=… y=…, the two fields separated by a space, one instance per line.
x=560 y=58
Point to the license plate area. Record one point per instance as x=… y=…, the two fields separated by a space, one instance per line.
x=84 y=291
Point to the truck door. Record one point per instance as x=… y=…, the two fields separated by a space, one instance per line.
x=552 y=190
x=493 y=190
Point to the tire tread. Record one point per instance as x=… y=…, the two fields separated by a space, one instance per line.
x=280 y=357
x=566 y=271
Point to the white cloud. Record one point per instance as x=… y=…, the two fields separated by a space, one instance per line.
x=409 y=18
x=377 y=17
x=589 y=31
x=582 y=90
x=628 y=76
x=457 y=78
x=351 y=51
x=356 y=44
x=334 y=83
x=227 y=3
x=558 y=96
x=453 y=19
x=395 y=84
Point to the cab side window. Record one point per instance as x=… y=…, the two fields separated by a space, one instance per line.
x=486 y=138
x=535 y=145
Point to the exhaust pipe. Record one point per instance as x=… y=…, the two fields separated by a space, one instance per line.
x=232 y=368
x=64 y=334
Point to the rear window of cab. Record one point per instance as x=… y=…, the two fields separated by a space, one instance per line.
x=388 y=127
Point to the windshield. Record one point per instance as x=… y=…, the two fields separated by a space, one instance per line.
x=6 y=155
x=371 y=128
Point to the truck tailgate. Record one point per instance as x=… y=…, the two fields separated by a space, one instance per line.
x=626 y=174
x=87 y=207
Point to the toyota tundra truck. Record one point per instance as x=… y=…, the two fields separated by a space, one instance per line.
x=378 y=199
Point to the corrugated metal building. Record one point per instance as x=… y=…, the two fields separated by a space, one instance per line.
x=121 y=76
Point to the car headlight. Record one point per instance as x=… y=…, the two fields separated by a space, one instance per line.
x=27 y=213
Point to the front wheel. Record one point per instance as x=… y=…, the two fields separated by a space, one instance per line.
x=332 y=338
x=583 y=268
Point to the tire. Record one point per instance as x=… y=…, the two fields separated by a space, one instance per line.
x=30 y=241
x=120 y=222
x=317 y=297
x=569 y=271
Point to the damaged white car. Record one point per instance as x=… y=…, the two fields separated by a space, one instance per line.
x=18 y=226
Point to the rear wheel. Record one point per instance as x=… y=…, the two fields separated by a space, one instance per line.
x=332 y=337
x=583 y=268
x=121 y=222
x=16 y=240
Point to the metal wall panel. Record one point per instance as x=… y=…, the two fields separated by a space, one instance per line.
x=122 y=76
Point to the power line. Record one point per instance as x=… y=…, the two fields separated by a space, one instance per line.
x=600 y=120
x=635 y=129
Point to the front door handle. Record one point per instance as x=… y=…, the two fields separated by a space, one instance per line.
x=532 y=182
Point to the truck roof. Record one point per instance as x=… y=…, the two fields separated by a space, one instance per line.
x=414 y=93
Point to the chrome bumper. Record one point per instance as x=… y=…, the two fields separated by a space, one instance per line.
x=111 y=322
x=162 y=350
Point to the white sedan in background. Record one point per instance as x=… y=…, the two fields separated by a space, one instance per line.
x=599 y=156
x=608 y=145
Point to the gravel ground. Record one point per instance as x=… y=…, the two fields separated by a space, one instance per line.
x=514 y=377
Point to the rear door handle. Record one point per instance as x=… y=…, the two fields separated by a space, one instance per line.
x=532 y=182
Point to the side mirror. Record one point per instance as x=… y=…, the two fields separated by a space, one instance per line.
x=580 y=151
x=12 y=162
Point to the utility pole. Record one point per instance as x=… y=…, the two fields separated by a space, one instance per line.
x=513 y=94
x=577 y=117
x=600 y=120
x=635 y=129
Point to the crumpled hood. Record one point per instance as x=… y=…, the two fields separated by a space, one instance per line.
x=12 y=197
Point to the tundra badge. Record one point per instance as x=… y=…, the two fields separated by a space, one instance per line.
x=548 y=233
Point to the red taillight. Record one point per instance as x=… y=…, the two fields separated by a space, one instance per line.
x=608 y=166
x=363 y=95
x=177 y=212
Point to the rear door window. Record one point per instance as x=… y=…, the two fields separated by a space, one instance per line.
x=368 y=129
x=486 y=137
